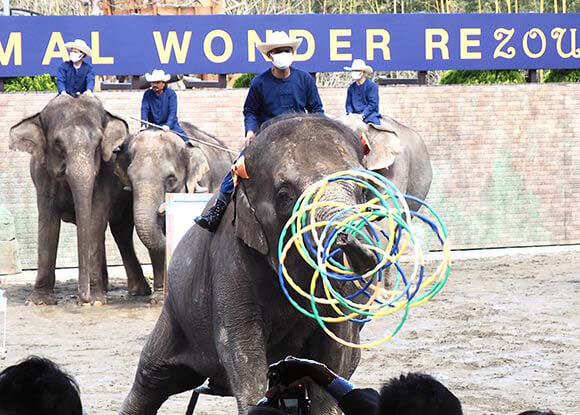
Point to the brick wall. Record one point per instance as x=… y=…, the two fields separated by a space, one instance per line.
x=506 y=159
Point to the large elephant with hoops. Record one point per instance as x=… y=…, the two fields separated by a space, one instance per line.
x=226 y=318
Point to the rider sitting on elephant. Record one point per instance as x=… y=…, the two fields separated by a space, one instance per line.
x=363 y=93
x=76 y=77
x=159 y=104
x=279 y=90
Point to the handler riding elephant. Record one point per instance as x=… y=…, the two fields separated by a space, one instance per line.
x=72 y=143
x=159 y=162
x=225 y=318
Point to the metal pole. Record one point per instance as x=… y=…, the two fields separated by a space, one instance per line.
x=6 y=7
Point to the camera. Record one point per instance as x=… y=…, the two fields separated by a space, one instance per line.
x=293 y=400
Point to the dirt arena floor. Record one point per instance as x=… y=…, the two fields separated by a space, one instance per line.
x=504 y=336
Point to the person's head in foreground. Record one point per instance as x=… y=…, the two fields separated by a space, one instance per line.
x=37 y=386
x=417 y=394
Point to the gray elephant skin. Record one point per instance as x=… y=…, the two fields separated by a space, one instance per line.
x=398 y=153
x=72 y=143
x=159 y=162
x=225 y=318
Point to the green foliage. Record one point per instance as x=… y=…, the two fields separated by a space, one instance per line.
x=244 y=80
x=563 y=75
x=482 y=77
x=43 y=82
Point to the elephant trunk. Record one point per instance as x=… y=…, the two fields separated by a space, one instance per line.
x=359 y=255
x=149 y=218
x=81 y=178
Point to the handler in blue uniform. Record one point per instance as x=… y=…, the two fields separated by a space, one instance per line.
x=279 y=90
x=363 y=94
x=75 y=76
x=159 y=104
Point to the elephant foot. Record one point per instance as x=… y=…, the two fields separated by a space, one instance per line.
x=96 y=299
x=157 y=297
x=41 y=297
x=139 y=289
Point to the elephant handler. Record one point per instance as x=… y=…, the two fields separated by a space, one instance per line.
x=159 y=104
x=363 y=94
x=279 y=90
x=76 y=77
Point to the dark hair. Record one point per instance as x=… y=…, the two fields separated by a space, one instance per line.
x=417 y=394
x=37 y=386
x=264 y=410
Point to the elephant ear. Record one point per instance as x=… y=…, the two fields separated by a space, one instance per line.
x=385 y=146
x=247 y=226
x=197 y=166
x=28 y=136
x=115 y=133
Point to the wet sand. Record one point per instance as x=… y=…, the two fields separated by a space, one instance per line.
x=503 y=335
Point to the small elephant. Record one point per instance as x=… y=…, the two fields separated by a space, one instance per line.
x=225 y=318
x=159 y=162
x=72 y=143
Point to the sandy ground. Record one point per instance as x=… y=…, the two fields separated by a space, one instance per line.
x=504 y=336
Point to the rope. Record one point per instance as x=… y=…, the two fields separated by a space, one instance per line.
x=368 y=299
x=197 y=140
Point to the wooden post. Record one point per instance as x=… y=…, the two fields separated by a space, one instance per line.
x=422 y=77
x=1 y=85
x=532 y=76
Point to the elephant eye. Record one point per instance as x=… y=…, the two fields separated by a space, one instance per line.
x=170 y=182
x=285 y=199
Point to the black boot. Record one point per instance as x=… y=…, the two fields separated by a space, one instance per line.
x=214 y=215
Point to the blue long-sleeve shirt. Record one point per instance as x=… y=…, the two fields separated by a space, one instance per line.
x=270 y=96
x=161 y=110
x=364 y=99
x=73 y=81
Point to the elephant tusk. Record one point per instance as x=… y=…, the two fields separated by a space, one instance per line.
x=161 y=210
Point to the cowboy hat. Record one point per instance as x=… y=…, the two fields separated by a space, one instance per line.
x=80 y=45
x=157 y=75
x=359 y=65
x=278 y=40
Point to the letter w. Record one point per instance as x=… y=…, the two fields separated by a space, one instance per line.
x=172 y=44
x=13 y=46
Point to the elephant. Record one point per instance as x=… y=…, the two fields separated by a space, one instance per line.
x=226 y=318
x=73 y=143
x=159 y=162
x=398 y=153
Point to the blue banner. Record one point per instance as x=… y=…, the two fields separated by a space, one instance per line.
x=125 y=45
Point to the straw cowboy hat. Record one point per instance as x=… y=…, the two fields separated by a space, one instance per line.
x=157 y=75
x=80 y=45
x=359 y=65
x=278 y=40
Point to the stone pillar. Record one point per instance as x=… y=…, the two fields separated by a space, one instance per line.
x=9 y=259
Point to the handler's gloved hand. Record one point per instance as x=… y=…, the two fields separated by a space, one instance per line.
x=165 y=128
x=292 y=370
x=89 y=93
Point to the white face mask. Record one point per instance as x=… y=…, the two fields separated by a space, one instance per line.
x=282 y=60
x=356 y=75
x=75 y=56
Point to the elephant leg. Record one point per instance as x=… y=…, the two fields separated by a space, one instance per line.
x=96 y=277
x=104 y=270
x=48 y=235
x=158 y=263
x=342 y=360
x=123 y=233
x=163 y=369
